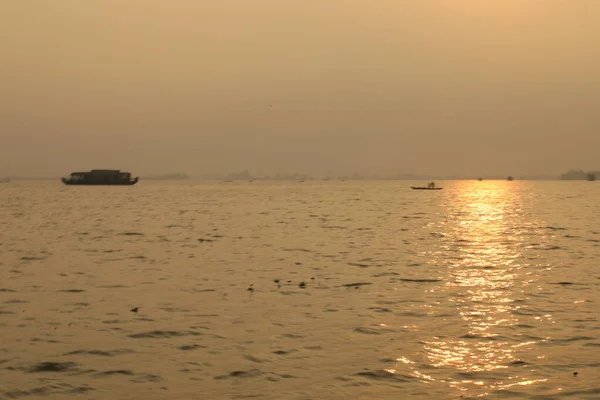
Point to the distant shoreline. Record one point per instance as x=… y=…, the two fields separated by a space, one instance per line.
x=571 y=175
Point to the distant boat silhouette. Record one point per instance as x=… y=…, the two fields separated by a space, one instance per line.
x=425 y=188
x=591 y=177
x=510 y=178
x=100 y=177
x=430 y=186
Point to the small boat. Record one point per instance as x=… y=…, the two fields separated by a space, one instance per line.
x=100 y=177
x=430 y=186
x=425 y=188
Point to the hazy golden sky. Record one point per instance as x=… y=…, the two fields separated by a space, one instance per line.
x=417 y=86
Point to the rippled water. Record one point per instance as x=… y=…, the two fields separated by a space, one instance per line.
x=315 y=290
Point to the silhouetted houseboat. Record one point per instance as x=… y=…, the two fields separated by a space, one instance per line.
x=100 y=177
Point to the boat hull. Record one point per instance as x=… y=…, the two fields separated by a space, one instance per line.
x=425 y=188
x=80 y=183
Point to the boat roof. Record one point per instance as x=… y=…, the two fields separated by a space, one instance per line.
x=99 y=171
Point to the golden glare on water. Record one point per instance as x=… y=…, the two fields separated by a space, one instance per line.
x=480 y=254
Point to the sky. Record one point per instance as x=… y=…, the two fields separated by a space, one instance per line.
x=466 y=87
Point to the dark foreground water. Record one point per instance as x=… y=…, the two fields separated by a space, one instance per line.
x=315 y=290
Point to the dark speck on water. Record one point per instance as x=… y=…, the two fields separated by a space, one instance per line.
x=53 y=367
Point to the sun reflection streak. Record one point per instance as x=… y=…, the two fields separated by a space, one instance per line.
x=481 y=243
x=485 y=269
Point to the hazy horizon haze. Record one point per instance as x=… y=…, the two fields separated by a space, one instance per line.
x=429 y=87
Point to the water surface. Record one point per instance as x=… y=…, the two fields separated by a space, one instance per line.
x=287 y=290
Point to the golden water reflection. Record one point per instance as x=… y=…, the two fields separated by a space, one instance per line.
x=482 y=233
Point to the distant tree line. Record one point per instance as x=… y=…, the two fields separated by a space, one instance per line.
x=580 y=175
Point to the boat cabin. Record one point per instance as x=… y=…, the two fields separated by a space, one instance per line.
x=100 y=177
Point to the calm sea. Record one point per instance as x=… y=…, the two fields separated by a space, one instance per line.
x=289 y=290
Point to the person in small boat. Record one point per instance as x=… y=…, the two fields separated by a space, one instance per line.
x=431 y=185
